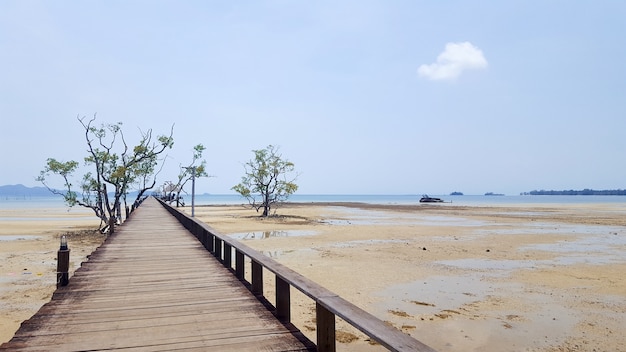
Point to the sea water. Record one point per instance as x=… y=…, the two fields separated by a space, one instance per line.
x=408 y=199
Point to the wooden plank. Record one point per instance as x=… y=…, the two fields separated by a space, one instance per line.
x=222 y=322
x=269 y=342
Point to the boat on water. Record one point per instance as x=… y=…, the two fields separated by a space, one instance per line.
x=427 y=199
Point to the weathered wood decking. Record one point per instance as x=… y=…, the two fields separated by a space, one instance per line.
x=153 y=287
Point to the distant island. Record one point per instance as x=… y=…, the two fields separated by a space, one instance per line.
x=21 y=191
x=456 y=193
x=584 y=192
x=493 y=194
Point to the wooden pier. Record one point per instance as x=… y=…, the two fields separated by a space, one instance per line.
x=154 y=287
x=166 y=283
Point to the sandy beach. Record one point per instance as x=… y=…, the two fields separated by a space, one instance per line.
x=479 y=278
x=29 y=240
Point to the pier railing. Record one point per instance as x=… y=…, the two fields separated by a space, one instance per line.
x=328 y=305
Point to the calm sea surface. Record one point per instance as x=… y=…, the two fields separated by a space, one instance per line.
x=57 y=202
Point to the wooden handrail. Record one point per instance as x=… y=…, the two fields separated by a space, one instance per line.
x=328 y=304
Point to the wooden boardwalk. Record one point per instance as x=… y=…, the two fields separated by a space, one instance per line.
x=153 y=287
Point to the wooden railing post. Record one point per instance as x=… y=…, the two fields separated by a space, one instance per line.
x=228 y=254
x=240 y=270
x=283 y=300
x=218 y=249
x=211 y=243
x=194 y=230
x=325 y=329
x=204 y=238
x=257 y=278
x=63 y=263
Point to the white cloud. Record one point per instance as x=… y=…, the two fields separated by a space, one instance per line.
x=456 y=58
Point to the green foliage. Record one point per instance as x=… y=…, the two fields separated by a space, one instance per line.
x=65 y=170
x=266 y=181
x=584 y=192
x=195 y=169
x=115 y=167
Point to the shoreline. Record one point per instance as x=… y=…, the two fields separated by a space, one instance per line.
x=458 y=278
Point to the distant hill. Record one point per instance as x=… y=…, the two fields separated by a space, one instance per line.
x=23 y=191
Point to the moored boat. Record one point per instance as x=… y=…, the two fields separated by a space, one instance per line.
x=426 y=199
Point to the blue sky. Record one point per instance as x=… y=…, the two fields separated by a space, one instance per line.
x=365 y=97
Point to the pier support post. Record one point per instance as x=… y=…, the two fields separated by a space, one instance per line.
x=63 y=263
x=325 y=329
x=228 y=256
x=283 y=300
x=240 y=270
x=217 y=251
x=257 y=278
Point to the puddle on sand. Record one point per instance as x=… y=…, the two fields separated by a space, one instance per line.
x=538 y=319
x=495 y=267
x=460 y=238
x=439 y=220
x=505 y=267
x=590 y=259
x=436 y=293
x=551 y=228
x=586 y=244
x=275 y=254
x=365 y=221
x=259 y=235
x=369 y=217
x=279 y=253
x=599 y=249
x=357 y=243
x=355 y=216
x=18 y=238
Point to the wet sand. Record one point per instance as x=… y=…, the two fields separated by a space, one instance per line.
x=29 y=241
x=514 y=278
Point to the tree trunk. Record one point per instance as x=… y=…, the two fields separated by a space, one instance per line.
x=266 y=203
